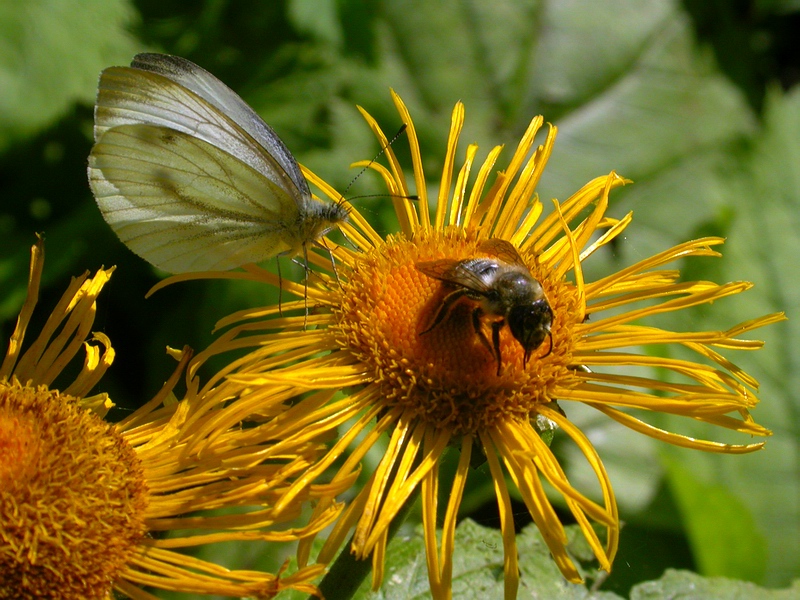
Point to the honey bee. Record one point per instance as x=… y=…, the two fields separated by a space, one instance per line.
x=502 y=288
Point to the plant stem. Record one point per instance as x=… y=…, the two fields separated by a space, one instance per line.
x=346 y=574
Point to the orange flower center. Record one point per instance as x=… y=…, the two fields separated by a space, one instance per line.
x=447 y=372
x=73 y=497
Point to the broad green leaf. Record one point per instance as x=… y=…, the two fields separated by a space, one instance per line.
x=667 y=106
x=763 y=197
x=684 y=585
x=318 y=18
x=478 y=567
x=51 y=52
x=722 y=530
x=568 y=75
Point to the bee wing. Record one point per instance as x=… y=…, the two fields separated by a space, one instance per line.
x=502 y=249
x=456 y=272
x=182 y=204
x=170 y=92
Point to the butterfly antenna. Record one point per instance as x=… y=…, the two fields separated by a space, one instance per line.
x=400 y=132
x=412 y=197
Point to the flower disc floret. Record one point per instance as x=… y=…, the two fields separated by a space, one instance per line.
x=447 y=376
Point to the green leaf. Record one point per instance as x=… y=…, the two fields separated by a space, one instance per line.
x=317 y=18
x=684 y=585
x=724 y=536
x=763 y=194
x=662 y=110
x=478 y=567
x=51 y=52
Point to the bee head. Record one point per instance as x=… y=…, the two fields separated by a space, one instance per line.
x=530 y=324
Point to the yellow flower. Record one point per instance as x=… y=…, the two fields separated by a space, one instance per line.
x=465 y=380
x=85 y=504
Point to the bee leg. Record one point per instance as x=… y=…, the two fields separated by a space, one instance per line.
x=478 y=326
x=550 y=335
x=444 y=308
x=496 y=327
x=494 y=346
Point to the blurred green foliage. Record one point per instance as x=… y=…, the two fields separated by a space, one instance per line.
x=694 y=102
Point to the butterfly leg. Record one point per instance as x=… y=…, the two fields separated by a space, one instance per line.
x=305 y=284
x=321 y=243
x=280 y=286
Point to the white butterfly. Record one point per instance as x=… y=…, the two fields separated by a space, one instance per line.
x=190 y=178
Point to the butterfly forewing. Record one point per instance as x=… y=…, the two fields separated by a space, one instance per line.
x=129 y=96
x=182 y=204
x=212 y=90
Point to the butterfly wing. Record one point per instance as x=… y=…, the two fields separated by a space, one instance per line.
x=183 y=204
x=193 y=77
x=128 y=96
